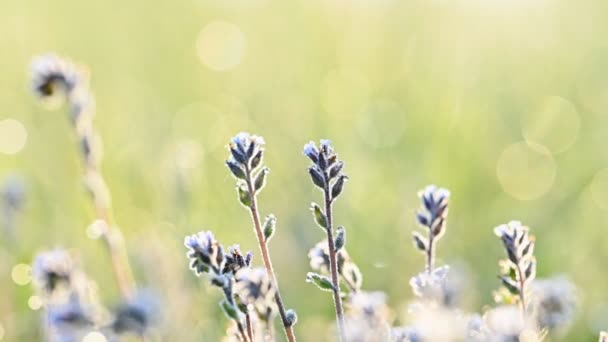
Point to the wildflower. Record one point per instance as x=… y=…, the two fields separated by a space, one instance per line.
x=519 y=269
x=366 y=319
x=204 y=252
x=50 y=269
x=50 y=73
x=246 y=154
x=245 y=164
x=326 y=173
x=137 y=315
x=430 y=286
x=235 y=260
x=207 y=256
x=555 y=302
x=433 y=216
x=506 y=323
x=254 y=288
x=348 y=270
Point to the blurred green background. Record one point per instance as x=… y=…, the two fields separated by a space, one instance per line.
x=504 y=102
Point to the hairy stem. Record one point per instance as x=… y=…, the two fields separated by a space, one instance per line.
x=430 y=253
x=255 y=217
x=522 y=290
x=333 y=265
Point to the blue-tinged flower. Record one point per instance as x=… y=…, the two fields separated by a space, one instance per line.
x=555 y=301
x=435 y=208
x=204 y=252
x=430 y=286
x=138 y=314
x=51 y=73
x=235 y=260
x=311 y=151
x=255 y=289
x=52 y=268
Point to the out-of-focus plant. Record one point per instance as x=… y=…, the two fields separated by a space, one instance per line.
x=53 y=76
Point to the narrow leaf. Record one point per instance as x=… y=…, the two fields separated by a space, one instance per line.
x=244 y=197
x=260 y=179
x=229 y=310
x=322 y=282
x=319 y=216
x=269 y=227
x=336 y=190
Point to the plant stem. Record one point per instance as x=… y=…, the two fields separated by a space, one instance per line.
x=333 y=265
x=255 y=217
x=115 y=245
x=239 y=325
x=249 y=326
x=522 y=291
x=430 y=253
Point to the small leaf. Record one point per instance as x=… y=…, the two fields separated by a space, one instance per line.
x=269 y=227
x=510 y=285
x=238 y=155
x=240 y=305
x=229 y=310
x=319 y=216
x=260 y=179
x=530 y=271
x=244 y=196
x=316 y=177
x=322 y=282
x=236 y=170
x=420 y=241
x=336 y=190
x=340 y=239
x=422 y=219
x=257 y=159
x=335 y=170
x=291 y=318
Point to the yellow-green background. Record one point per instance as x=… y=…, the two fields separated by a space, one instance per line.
x=410 y=92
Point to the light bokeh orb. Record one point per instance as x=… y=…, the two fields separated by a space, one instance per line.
x=526 y=171
x=35 y=302
x=21 y=274
x=13 y=136
x=554 y=123
x=221 y=45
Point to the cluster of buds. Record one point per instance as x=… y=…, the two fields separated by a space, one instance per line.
x=245 y=164
x=519 y=268
x=433 y=217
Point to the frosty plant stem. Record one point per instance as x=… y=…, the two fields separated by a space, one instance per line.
x=53 y=75
x=245 y=163
x=326 y=174
x=255 y=217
